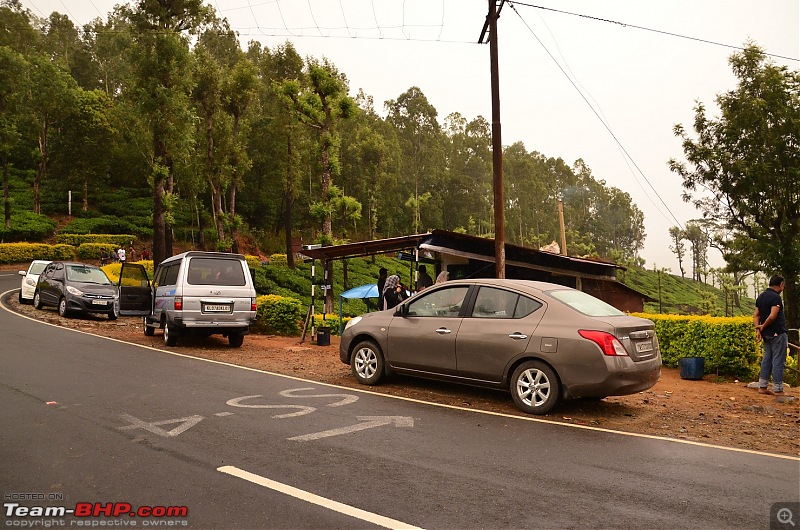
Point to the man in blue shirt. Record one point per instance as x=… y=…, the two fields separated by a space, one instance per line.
x=770 y=322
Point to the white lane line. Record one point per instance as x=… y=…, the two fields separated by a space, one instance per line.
x=314 y=499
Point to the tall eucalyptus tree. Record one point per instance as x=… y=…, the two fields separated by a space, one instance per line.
x=161 y=86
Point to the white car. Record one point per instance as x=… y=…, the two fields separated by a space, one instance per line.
x=30 y=277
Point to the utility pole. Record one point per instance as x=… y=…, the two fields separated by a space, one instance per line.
x=561 y=227
x=497 y=144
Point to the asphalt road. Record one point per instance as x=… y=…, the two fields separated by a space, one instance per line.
x=91 y=420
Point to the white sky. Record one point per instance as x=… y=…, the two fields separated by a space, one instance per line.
x=642 y=82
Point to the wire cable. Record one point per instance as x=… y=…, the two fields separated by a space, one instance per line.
x=662 y=32
x=607 y=127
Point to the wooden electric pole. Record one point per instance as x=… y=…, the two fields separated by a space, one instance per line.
x=497 y=144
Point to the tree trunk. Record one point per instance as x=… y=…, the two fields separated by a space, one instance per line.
x=201 y=225
x=42 y=167
x=168 y=233
x=327 y=224
x=791 y=301
x=232 y=194
x=159 y=244
x=289 y=202
x=159 y=241
x=85 y=195
x=6 y=196
x=231 y=216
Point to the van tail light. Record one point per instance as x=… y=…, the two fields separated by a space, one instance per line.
x=253 y=305
x=607 y=342
x=178 y=303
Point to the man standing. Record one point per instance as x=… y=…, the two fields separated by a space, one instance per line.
x=382 y=273
x=424 y=279
x=770 y=322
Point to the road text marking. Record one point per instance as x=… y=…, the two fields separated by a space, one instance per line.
x=346 y=398
x=367 y=422
x=237 y=402
x=185 y=424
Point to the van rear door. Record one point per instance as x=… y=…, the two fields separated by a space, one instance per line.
x=135 y=293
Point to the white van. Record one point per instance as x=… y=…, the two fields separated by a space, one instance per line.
x=195 y=292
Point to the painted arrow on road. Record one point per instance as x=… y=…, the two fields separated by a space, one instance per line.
x=367 y=422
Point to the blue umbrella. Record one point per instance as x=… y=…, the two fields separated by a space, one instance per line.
x=369 y=290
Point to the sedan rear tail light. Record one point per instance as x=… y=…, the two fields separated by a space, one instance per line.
x=607 y=342
x=178 y=303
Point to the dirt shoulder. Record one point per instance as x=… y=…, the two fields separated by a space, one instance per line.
x=713 y=410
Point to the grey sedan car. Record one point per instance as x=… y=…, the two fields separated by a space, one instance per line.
x=543 y=342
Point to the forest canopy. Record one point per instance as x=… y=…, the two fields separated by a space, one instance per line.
x=162 y=118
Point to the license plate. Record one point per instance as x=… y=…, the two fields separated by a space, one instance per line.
x=213 y=308
x=99 y=302
x=642 y=347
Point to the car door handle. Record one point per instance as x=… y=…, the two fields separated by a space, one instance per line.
x=518 y=336
x=443 y=331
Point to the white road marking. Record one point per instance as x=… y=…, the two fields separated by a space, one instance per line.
x=346 y=398
x=367 y=422
x=185 y=424
x=302 y=409
x=314 y=499
x=220 y=414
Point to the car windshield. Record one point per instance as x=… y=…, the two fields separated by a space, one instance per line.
x=37 y=268
x=86 y=274
x=586 y=304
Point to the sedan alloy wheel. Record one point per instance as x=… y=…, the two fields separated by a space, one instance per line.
x=535 y=387
x=367 y=363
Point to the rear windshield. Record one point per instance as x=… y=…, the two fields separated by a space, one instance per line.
x=216 y=271
x=586 y=303
x=86 y=274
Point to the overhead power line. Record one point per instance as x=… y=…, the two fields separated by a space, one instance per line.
x=605 y=124
x=669 y=33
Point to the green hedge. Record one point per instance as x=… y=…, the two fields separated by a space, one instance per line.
x=105 y=225
x=92 y=251
x=278 y=315
x=24 y=252
x=116 y=240
x=727 y=344
x=27 y=226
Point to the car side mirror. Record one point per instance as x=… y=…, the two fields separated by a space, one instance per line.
x=401 y=310
x=22 y=273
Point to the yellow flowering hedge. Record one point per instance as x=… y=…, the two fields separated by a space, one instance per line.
x=331 y=321
x=278 y=259
x=253 y=262
x=727 y=344
x=25 y=252
x=112 y=271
